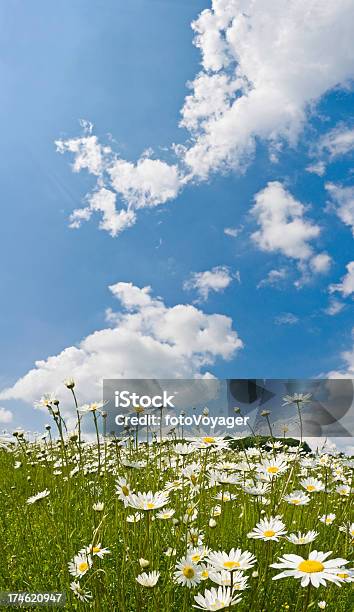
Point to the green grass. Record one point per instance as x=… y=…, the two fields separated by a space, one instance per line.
x=39 y=540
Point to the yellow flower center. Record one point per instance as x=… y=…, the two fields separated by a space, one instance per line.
x=125 y=490
x=83 y=566
x=273 y=469
x=96 y=549
x=342 y=575
x=188 y=571
x=209 y=440
x=296 y=501
x=150 y=506
x=231 y=564
x=205 y=574
x=310 y=488
x=196 y=558
x=310 y=567
x=269 y=534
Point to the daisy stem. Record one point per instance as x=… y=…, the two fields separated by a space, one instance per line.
x=307 y=598
x=300 y=418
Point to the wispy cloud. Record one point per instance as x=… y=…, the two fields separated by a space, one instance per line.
x=286 y=318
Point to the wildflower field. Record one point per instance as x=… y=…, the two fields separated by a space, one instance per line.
x=175 y=525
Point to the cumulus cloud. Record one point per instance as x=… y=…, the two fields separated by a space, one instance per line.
x=270 y=62
x=283 y=228
x=346 y=286
x=263 y=67
x=216 y=279
x=5 y=415
x=146 y=339
x=343 y=200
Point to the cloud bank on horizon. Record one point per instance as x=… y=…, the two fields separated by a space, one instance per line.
x=145 y=340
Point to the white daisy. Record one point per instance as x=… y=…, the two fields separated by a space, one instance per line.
x=312 y=485
x=343 y=490
x=38 y=496
x=297 y=498
x=327 y=519
x=273 y=468
x=165 y=514
x=148 y=580
x=148 y=501
x=235 y=559
x=187 y=573
x=134 y=518
x=123 y=490
x=224 y=578
x=80 y=565
x=268 y=529
x=96 y=550
x=81 y=594
x=302 y=538
x=297 y=398
x=215 y=599
x=315 y=569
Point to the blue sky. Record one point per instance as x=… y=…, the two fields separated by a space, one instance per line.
x=124 y=67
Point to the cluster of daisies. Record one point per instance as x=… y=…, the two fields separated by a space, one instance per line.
x=201 y=489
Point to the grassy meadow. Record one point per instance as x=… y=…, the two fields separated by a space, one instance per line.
x=174 y=525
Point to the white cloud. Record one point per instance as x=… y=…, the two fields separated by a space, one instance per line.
x=283 y=227
x=272 y=61
x=273 y=278
x=233 y=232
x=104 y=201
x=347 y=371
x=148 y=183
x=343 y=198
x=334 y=307
x=5 y=415
x=337 y=142
x=264 y=66
x=216 y=279
x=89 y=154
x=321 y=263
x=318 y=168
x=286 y=318
x=346 y=286
x=147 y=340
